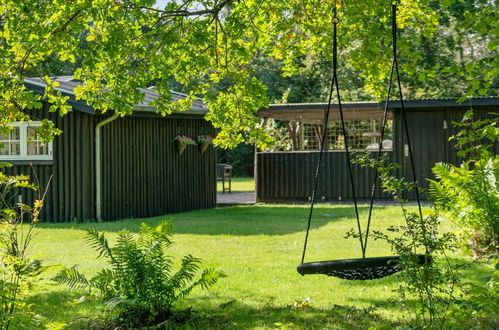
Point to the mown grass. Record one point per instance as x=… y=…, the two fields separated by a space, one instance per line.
x=258 y=248
x=240 y=184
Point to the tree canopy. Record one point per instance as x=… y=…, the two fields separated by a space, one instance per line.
x=222 y=50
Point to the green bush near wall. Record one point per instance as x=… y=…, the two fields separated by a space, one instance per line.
x=241 y=158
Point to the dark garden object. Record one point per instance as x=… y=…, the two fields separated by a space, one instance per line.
x=362 y=268
x=203 y=142
x=357 y=269
x=181 y=142
x=224 y=174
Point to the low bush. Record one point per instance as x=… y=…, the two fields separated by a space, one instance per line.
x=426 y=290
x=241 y=158
x=141 y=287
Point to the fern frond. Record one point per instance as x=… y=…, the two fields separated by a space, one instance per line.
x=162 y=233
x=71 y=277
x=103 y=282
x=115 y=301
x=190 y=265
x=208 y=278
x=441 y=195
x=99 y=243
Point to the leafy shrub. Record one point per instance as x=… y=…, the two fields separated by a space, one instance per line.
x=432 y=284
x=140 y=285
x=17 y=269
x=468 y=194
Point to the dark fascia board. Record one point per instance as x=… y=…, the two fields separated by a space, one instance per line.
x=179 y=115
x=82 y=106
x=393 y=105
x=445 y=103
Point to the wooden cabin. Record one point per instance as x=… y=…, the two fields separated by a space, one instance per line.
x=287 y=176
x=104 y=167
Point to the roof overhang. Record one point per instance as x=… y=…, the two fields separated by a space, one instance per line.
x=67 y=85
x=313 y=113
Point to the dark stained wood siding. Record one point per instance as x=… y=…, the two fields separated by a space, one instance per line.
x=289 y=177
x=70 y=195
x=142 y=175
x=430 y=140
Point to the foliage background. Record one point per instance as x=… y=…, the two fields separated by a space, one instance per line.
x=239 y=55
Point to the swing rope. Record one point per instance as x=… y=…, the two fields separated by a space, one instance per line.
x=394 y=67
x=334 y=85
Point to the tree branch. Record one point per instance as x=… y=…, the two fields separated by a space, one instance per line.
x=185 y=13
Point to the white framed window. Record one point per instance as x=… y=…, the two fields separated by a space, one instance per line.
x=23 y=143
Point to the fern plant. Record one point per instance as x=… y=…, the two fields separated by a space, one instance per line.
x=468 y=194
x=140 y=285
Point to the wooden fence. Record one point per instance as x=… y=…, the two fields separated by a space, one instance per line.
x=289 y=177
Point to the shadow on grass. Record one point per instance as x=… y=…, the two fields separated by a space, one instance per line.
x=230 y=315
x=238 y=220
x=238 y=315
x=62 y=305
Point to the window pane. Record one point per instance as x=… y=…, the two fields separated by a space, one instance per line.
x=31 y=133
x=11 y=148
x=15 y=148
x=43 y=149
x=37 y=148
x=14 y=134
x=31 y=148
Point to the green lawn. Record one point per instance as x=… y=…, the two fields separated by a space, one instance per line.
x=239 y=184
x=258 y=247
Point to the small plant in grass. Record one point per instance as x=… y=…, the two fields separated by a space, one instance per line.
x=17 y=269
x=141 y=286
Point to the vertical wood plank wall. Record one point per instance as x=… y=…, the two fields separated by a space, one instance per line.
x=70 y=195
x=289 y=177
x=430 y=140
x=142 y=175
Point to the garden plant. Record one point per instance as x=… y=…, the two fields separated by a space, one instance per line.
x=18 y=269
x=141 y=286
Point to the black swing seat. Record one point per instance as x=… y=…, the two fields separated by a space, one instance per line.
x=357 y=269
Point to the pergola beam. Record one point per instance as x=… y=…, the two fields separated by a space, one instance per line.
x=316 y=116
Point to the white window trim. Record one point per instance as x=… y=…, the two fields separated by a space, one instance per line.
x=23 y=138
